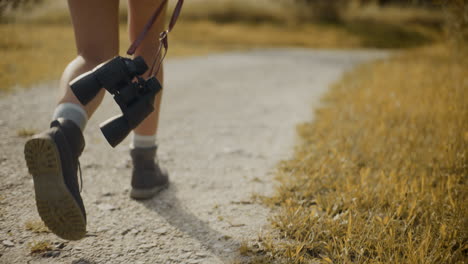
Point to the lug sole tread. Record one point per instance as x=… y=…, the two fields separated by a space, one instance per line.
x=55 y=203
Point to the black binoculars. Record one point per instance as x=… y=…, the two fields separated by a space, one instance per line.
x=134 y=95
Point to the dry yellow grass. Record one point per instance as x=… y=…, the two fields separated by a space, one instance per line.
x=30 y=56
x=37 y=247
x=457 y=27
x=36 y=47
x=24 y=132
x=41 y=54
x=36 y=226
x=380 y=176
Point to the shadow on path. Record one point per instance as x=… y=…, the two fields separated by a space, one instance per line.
x=168 y=206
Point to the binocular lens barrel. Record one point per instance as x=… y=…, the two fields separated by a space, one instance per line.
x=85 y=87
x=138 y=66
x=115 y=129
x=111 y=75
x=128 y=93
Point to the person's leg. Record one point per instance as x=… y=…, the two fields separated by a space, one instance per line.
x=139 y=13
x=96 y=30
x=52 y=156
x=147 y=177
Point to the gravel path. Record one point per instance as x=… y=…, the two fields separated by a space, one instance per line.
x=226 y=121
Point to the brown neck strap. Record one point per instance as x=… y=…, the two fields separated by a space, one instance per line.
x=163 y=36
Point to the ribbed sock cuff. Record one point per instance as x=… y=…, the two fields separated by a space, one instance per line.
x=72 y=112
x=142 y=141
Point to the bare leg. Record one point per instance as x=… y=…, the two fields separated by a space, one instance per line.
x=139 y=13
x=52 y=156
x=97 y=39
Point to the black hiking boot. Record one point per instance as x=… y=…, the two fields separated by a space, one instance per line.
x=52 y=160
x=147 y=177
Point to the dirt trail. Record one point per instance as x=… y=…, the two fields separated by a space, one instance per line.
x=226 y=121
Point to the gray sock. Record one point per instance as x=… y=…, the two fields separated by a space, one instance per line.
x=142 y=141
x=72 y=112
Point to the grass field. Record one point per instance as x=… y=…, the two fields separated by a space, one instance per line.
x=37 y=46
x=380 y=175
x=41 y=54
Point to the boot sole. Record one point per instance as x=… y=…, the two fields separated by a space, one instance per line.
x=55 y=203
x=143 y=194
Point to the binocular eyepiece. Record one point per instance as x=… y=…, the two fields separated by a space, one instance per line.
x=135 y=98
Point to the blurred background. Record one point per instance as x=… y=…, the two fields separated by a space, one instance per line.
x=37 y=36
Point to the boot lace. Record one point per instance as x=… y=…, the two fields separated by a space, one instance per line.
x=80 y=176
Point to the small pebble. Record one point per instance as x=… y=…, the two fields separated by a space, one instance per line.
x=147 y=246
x=81 y=261
x=200 y=255
x=134 y=232
x=106 y=207
x=61 y=245
x=161 y=231
x=102 y=229
x=51 y=254
x=8 y=243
